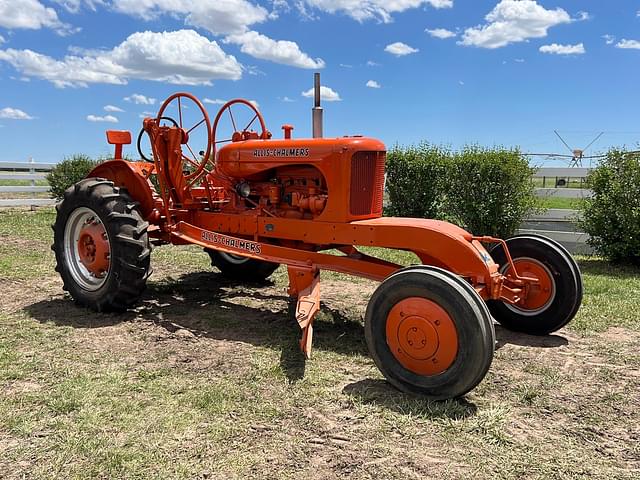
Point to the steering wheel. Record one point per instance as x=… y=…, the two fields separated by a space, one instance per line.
x=199 y=164
x=141 y=134
x=245 y=133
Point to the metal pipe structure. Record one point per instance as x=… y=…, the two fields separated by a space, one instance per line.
x=317 y=109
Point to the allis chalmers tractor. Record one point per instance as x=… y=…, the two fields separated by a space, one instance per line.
x=254 y=203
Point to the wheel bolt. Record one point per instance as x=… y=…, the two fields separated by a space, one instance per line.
x=437 y=322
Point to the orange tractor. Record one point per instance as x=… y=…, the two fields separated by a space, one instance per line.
x=254 y=203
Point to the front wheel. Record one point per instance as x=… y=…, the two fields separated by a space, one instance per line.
x=101 y=246
x=429 y=333
x=553 y=299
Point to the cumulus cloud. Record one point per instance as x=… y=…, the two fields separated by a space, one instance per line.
x=112 y=108
x=2 y=40
x=441 y=33
x=277 y=51
x=381 y=10
x=31 y=15
x=106 y=118
x=400 y=49
x=215 y=101
x=556 y=49
x=140 y=99
x=181 y=57
x=74 y=6
x=609 y=39
x=220 y=17
x=373 y=84
x=327 y=94
x=10 y=113
x=514 y=21
x=628 y=44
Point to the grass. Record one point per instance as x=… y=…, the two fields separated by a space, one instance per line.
x=558 y=202
x=204 y=380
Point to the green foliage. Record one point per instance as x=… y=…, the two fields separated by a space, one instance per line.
x=490 y=191
x=69 y=171
x=487 y=191
x=416 y=180
x=612 y=216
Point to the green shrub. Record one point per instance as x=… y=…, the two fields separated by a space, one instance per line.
x=612 y=216
x=415 y=180
x=490 y=191
x=487 y=191
x=69 y=171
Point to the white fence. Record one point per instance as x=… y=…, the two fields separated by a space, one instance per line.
x=557 y=176
x=30 y=173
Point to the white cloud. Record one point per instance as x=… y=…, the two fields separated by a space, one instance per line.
x=216 y=101
x=382 y=10
x=112 y=108
x=556 y=49
x=287 y=99
x=609 y=39
x=106 y=118
x=514 y=21
x=519 y=60
x=2 y=40
x=628 y=44
x=373 y=84
x=400 y=49
x=181 y=57
x=441 y=33
x=74 y=6
x=220 y=17
x=147 y=114
x=371 y=63
x=278 y=51
x=139 y=99
x=30 y=15
x=326 y=94
x=14 y=114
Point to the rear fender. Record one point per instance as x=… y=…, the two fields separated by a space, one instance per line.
x=134 y=176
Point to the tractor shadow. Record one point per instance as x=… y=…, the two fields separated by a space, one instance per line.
x=507 y=337
x=210 y=306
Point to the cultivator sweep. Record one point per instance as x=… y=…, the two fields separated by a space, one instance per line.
x=254 y=202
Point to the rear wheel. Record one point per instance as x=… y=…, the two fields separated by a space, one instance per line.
x=553 y=300
x=101 y=245
x=429 y=333
x=241 y=268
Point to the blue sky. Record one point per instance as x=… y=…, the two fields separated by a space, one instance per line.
x=503 y=72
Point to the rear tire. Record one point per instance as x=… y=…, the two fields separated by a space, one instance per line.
x=241 y=268
x=108 y=271
x=563 y=275
x=429 y=333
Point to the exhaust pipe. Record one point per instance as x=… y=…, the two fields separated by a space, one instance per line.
x=317 y=109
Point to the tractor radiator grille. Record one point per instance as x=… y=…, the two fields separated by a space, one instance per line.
x=367 y=183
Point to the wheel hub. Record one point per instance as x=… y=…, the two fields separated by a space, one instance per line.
x=422 y=336
x=540 y=290
x=93 y=248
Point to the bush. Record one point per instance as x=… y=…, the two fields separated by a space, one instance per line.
x=416 y=179
x=490 y=191
x=69 y=171
x=612 y=216
x=487 y=191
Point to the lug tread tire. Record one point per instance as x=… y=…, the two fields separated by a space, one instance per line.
x=474 y=326
x=130 y=248
x=249 y=271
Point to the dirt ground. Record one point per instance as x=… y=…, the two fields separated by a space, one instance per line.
x=204 y=380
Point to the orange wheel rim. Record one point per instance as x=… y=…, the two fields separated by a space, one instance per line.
x=541 y=288
x=93 y=249
x=422 y=336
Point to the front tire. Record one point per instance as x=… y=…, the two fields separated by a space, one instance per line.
x=557 y=299
x=429 y=333
x=101 y=246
